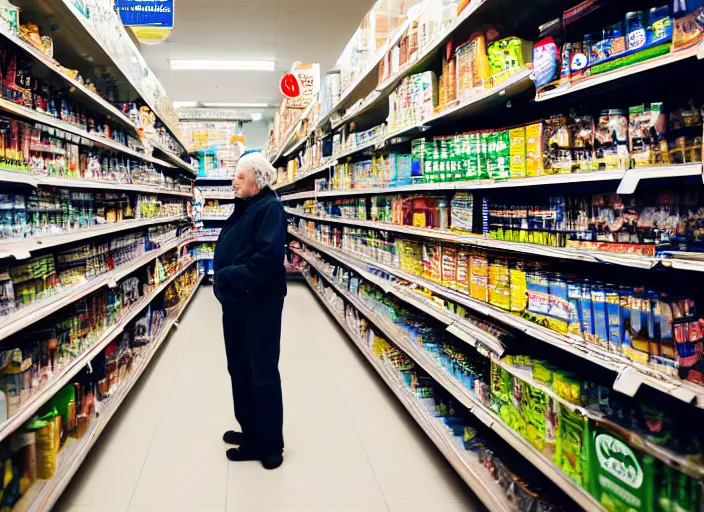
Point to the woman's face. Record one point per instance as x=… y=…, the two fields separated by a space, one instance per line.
x=244 y=184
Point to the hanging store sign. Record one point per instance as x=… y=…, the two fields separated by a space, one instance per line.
x=290 y=86
x=151 y=21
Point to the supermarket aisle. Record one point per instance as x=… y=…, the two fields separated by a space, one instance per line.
x=350 y=446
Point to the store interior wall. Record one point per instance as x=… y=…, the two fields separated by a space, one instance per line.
x=256 y=133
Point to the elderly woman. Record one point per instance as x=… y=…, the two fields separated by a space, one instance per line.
x=250 y=283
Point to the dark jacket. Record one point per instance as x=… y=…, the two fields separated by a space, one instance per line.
x=249 y=256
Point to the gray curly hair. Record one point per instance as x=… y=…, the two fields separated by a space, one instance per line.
x=264 y=173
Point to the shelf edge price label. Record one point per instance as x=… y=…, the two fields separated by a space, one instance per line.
x=628 y=381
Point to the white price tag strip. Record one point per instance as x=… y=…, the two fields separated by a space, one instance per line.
x=21 y=254
x=112 y=283
x=482 y=416
x=683 y=394
x=629 y=183
x=461 y=334
x=628 y=381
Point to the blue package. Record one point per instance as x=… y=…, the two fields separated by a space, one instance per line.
x=559 y=303
x=574 y=296
x=601 y=332
x=587 y=313
x=615 y=321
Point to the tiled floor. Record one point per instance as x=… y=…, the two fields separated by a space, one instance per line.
x=349 y=446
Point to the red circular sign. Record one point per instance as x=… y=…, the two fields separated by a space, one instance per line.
x=290 y=86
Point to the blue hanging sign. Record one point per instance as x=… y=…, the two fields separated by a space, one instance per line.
x=150 y=20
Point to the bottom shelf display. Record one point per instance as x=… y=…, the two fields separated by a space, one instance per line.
x=502 y=480
x=40 y=458
x=604 y=450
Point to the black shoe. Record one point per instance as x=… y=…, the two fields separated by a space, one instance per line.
x=232 y=437
x=272 y=461
x=242 y=454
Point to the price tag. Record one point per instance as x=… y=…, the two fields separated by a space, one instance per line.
x=684 y=394
x=628 y=381
x=629 y=183
x=21 y=254
x=112 y=283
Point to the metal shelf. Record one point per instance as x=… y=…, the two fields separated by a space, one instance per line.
x=467 y=466
x=80 y=46
x=86 y=138
x=618 y=74
x=219 y=196
x=470 y=334
x=44 y=494
x=288 y=138
x=654 y=172
x=26 y=178
x=315 y=171
x=25 y=317
x=627 y=260
x=64 y=376
x=23 y=248
x=215 y=178
x=213 y=218
x=175 y=160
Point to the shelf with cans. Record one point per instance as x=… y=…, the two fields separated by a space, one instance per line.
x=44 y=493
x=549 y=409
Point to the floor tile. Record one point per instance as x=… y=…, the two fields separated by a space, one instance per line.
x=175 y=508
x=304 y=508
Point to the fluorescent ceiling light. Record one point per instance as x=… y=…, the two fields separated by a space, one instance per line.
x=185 y=104
x=223 y=65
x=236 y=105
x=257 y=116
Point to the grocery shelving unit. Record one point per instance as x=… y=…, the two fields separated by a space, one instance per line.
x=87 y=41
x=344 y=249
x=44 y=494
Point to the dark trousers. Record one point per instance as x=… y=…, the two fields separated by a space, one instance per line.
x=253 y=343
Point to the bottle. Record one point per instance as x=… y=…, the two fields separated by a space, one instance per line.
x=443 y=214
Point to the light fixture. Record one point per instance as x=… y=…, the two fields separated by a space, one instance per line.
x=236 y=105
x=185 y=104
x=257 y=116
x=223 y=65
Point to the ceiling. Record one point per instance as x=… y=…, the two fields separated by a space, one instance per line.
x=282 y=30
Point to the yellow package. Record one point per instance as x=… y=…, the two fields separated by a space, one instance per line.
x=534 y=152
x=462 y=279
x=499 y=284
x=449 y=267
x=519 y=288
x=479 y=280
x=518 y=152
